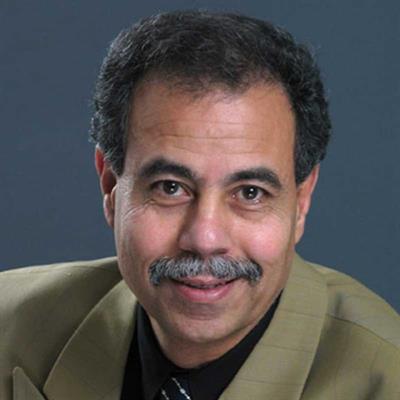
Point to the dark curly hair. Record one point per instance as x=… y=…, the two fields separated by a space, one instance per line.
x=198 y=51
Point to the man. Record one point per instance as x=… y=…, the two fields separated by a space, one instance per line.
x=209 y=130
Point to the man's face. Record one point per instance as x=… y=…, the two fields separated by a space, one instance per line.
x=212 y=176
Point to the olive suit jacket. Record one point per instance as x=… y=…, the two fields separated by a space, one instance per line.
x=65 y=332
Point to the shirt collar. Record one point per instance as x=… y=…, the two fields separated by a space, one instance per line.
x=156 y=368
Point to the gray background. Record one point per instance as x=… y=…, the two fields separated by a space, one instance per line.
x=50 y=203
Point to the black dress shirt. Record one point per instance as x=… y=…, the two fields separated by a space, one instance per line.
x=147 y=368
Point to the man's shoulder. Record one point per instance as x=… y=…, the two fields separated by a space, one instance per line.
x=353 y=304
x=359 y=345
x=51 y=280
x=41 y=306
x=109 y=264
x=32 y=291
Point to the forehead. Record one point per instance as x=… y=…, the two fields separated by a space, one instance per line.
x=255 y=125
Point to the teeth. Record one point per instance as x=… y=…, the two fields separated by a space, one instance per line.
x=203 y=286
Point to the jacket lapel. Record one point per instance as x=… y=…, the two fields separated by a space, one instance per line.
x=279 y=364
x=23 y=388
x=91 y=365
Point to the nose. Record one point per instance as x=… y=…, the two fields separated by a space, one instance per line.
x=205 y=230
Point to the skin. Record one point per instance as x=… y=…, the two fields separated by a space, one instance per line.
x=214 y=136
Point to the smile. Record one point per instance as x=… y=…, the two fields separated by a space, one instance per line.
x=201 y=286
x=203 y=289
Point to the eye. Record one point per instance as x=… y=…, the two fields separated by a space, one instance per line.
x=168 y=190
x=171 y=188
x=250 y=194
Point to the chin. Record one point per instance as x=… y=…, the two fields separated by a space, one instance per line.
x=203 y=330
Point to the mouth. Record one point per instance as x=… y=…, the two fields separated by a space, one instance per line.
x=203 y=283
x=203 y=289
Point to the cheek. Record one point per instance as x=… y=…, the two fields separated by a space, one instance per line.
x=268 y=242
x=143 y=236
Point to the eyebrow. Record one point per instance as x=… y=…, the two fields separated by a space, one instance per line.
x=261 y=174
x=161 y=165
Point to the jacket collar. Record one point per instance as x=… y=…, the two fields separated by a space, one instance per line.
x=91 y=365
x=23 y=388
x=280 y=363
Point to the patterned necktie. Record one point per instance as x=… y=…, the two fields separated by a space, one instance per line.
x=175 y=389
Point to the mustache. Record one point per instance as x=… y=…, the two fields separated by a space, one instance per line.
x=190 y=265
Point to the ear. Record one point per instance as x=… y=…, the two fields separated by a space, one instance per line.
x=304 y=195
x=108 y=183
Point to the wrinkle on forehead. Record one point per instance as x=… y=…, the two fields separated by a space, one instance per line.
x=204 y=129
x=206 y=134
x=204 y=145
x=214 y=108
x=141 y=124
